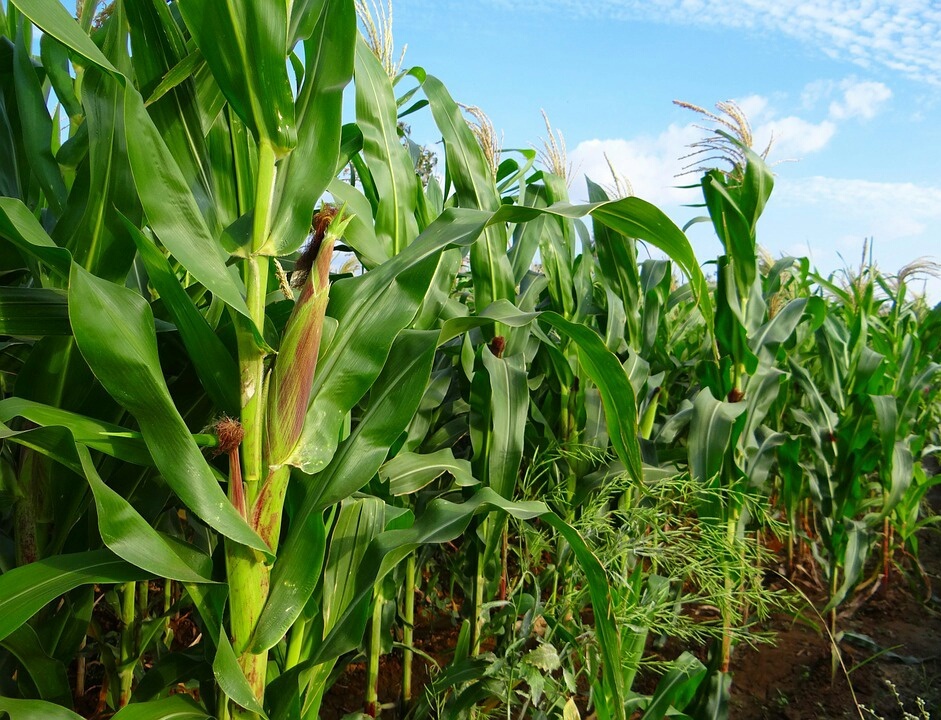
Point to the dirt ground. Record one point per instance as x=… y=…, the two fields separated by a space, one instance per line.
x=891 y=641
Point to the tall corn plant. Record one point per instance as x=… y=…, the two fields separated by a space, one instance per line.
x=193 y=162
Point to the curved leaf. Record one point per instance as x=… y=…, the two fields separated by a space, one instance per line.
x=409 y=472
x=131 y=537
x=114 y=330
x=25 y=590
x=35 y=710
x=392 y=171
x=172 y=210
x=112 y=440
x=175 y=707
x=617 y=394
x=48 y=675
x=217 y=370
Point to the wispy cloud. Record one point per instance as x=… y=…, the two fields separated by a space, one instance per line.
x=826 y=218
x=655 y=166
x=902 y=35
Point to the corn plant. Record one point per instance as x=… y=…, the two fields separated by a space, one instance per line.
x=192 y=165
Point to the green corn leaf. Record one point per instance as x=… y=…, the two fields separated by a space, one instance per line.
x=89 y=227
x=392 y=171
x=179 y=73
x=175 y=707
x=167 y=671
x=360 y=233
x=358 y=523
x=393 y=401
x=617 y=261
x=110 y=439
x=408 y=472
x=35 y=710
x=502 y=311
x=779 y=328
x=47 y=674
x=474 y=186
x=114 y=330
x=636 y=218
x=231 y=679
x=130 y=536
x=171 y=208
x=52 y=17
x=617 y=395
x=161 y=58
x=243 y=42
x=677 y=687
x=33 y=312
x=55 y=61
x=37 y=125
x=709 y=434
x=733 y=229
x=896 y=461
x=509 y=408
x=761 y=390
x=26 y=589
x=215 y=366
x=20 y=227
x=855 y=553
x=303 y=176
x=53 y=442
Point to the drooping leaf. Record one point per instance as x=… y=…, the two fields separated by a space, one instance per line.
x=114 y=330
x=617 y=394
x=175 y=707
x=26 y=589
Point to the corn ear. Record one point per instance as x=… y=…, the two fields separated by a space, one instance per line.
x=296 y=364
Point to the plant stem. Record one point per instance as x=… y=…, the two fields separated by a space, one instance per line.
x=248 y=574
x=126 y=666
x=408 y=632
x=374 y=651
x=252 y=361
x=480 y=582
x=728 y=600
x=298 y=633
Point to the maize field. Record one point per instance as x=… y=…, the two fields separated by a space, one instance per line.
x=294 y=418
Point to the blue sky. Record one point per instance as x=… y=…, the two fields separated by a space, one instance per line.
x=850 y=90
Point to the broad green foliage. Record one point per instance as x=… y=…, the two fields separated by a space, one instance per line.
x=258 y=366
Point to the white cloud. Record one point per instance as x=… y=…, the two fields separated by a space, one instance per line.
x=860 y=99
x=902 y=35
x=824 y=218
x=794 y=137
x=655 y=167
x=828 y=219
x=651 y=164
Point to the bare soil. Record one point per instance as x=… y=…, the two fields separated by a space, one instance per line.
x=892 y=641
